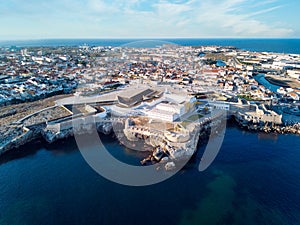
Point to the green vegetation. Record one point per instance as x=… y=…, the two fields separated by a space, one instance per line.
x=194 y=117
x=191 y=119
x=246 y=97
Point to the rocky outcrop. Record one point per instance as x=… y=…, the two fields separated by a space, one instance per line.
x=51 y=136
x=18 y=141
x=269 y=127
x=173 y=151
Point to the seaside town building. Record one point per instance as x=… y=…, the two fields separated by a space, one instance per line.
x=167 y=83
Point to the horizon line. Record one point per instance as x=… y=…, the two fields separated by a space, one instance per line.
x=137 y=38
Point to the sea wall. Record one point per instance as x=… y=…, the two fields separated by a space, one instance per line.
x=176 y=149
x=56 y=131
x=268 y=127
x=64 y=130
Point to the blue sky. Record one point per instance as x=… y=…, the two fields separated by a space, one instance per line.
x=38 y=19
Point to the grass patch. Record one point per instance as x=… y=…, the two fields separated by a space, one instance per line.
x=246 y=97
x=194 y=117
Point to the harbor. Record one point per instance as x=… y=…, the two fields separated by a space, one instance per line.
x=160 y=100
x=167 y=126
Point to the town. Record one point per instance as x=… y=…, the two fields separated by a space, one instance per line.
x=166 y=97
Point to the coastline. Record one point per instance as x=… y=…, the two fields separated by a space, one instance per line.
x=106 y=128
x=273 y=81
x=44 y=168
x=278 y=45
x=286 y=83
x=56 y=121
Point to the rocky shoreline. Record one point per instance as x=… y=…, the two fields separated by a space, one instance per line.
x=270 y=127
x=50 y=136
x=41 y=131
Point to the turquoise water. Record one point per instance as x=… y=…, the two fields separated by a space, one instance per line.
x=254 y=180
x=260 y=78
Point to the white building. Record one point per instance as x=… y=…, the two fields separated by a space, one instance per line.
x=171 y=107
x=163 y=115
x=219 y=105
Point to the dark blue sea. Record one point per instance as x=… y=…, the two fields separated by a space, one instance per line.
x=255 y=179
x=269 y=45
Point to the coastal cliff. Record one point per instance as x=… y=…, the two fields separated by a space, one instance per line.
x=52 y=133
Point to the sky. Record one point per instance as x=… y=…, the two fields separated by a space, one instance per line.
x=39 y=19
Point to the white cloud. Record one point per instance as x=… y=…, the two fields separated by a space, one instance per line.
x=157 y=18
x=101 y=6
x=230 y=18
x=204 y=18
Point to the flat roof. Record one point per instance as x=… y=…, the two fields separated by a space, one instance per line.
x=131 y=92
x=177 y=98
x=160 y=111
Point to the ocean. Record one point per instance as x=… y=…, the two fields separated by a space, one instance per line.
x=255 y=179
x=291 y=46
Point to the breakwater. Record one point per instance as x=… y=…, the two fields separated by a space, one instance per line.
x=269 y=127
